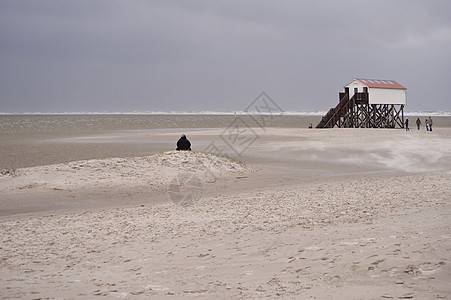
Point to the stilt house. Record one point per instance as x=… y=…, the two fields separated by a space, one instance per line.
x=368 y=103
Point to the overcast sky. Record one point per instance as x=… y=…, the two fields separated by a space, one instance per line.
x=110 y=55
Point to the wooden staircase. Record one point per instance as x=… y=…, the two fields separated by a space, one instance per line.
x=334 y=115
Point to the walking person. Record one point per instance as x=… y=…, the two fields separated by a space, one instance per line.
x=418 y=123
x=407 y=124
x=427 y=124
x=430 y=123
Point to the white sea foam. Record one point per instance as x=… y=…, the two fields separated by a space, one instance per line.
x=428 y=113
x=288 y=113
x=168 y=113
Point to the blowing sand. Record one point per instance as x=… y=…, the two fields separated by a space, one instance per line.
x=302 y=214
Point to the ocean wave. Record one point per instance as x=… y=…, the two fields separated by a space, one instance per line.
x=288 y=113
x=303 y=113
x=428 y=113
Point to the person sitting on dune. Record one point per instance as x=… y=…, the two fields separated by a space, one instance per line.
x=183 y=144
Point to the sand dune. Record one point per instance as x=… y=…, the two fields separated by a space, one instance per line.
x=88 y=183
x=155 y=170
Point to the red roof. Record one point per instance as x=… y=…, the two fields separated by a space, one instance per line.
x=386 y=84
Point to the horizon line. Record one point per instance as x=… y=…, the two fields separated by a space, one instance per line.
x=293 y=113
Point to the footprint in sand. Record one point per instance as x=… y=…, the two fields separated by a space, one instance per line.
x=423 y=269
x=428 y=268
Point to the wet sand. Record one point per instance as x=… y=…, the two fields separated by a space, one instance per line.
x=34 y=140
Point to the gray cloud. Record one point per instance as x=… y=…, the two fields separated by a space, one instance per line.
x=217 y=55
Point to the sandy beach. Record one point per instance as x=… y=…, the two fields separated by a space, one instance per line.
x=275 y=213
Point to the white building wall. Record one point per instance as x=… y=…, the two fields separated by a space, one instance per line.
x=355 y=84
x=387 y=96
x=379 y=95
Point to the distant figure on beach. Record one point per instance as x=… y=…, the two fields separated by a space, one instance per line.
x=183 y=144
x=418 y=123
x=427 y=124
x=430 y=123
x=407 y=124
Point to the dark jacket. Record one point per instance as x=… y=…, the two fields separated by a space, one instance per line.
x=183 y=144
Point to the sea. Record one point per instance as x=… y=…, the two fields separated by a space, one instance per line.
x=42 y=123
x=51 y=123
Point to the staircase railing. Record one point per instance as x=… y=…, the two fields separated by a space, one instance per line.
x=333 y=115
x=344 y=106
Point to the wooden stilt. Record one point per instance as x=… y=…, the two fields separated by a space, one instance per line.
x=356 y=112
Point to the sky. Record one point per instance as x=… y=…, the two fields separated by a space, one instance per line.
x=204 y=55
